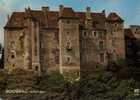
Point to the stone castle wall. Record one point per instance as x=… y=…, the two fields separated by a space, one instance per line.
x=69 y=48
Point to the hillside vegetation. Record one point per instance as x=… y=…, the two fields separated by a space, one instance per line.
x=101 y=85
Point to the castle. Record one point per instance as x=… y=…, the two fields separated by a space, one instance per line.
x=64 y=41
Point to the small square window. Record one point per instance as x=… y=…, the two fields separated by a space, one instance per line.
x=13 y=65
x=68 y=33
x=36 y=68
x=68 y=21
x=68 y=46
x=68 y=59
x=12 y=56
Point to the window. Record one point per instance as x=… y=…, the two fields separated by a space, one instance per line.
x=85 y=34
x=102 y=57
x=68 y=33
x=101 y=44
x=13 y=65
x=116 y=25
x=68 y=46
x=95 y=33
x=12 y=56
x=68 y=21
x=68 y=59
x=36 y=68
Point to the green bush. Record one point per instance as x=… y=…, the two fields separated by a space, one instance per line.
x=99 y=85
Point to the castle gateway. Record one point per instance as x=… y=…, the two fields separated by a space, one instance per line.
x=62 y=41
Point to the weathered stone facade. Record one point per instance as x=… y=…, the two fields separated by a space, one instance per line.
x=63 y=41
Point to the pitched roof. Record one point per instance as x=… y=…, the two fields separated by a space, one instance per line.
x=114 y=17
x=67 y=12
x=16 y=20
x=98 y=18
x=50 y=19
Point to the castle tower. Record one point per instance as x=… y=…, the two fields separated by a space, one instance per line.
x=69 y=43
x=115 y=37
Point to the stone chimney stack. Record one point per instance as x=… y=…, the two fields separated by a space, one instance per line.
x=45 y=9
x=88 y=9
x=28 y=12
x=88 y=12
x=88 y=21
x=61 y=7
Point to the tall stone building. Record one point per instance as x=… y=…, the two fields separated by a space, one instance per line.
x=64 y=41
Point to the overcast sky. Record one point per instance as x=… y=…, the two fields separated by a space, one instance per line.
x=128 y=9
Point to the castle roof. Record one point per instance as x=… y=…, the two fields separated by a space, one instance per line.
x=67 y=12
x=114 y=17
x=50 y=19
x=16 y=20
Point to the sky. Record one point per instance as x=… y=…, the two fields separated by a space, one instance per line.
x=129 y=10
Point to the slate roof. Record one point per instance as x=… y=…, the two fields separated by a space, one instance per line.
x=114 y=17
x=50 y=19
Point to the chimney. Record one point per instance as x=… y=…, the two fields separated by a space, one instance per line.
x=103 y=12
x=88 y=9
x=88 y=12
x=61 y=7
x=28 y=10
x=45 y=9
